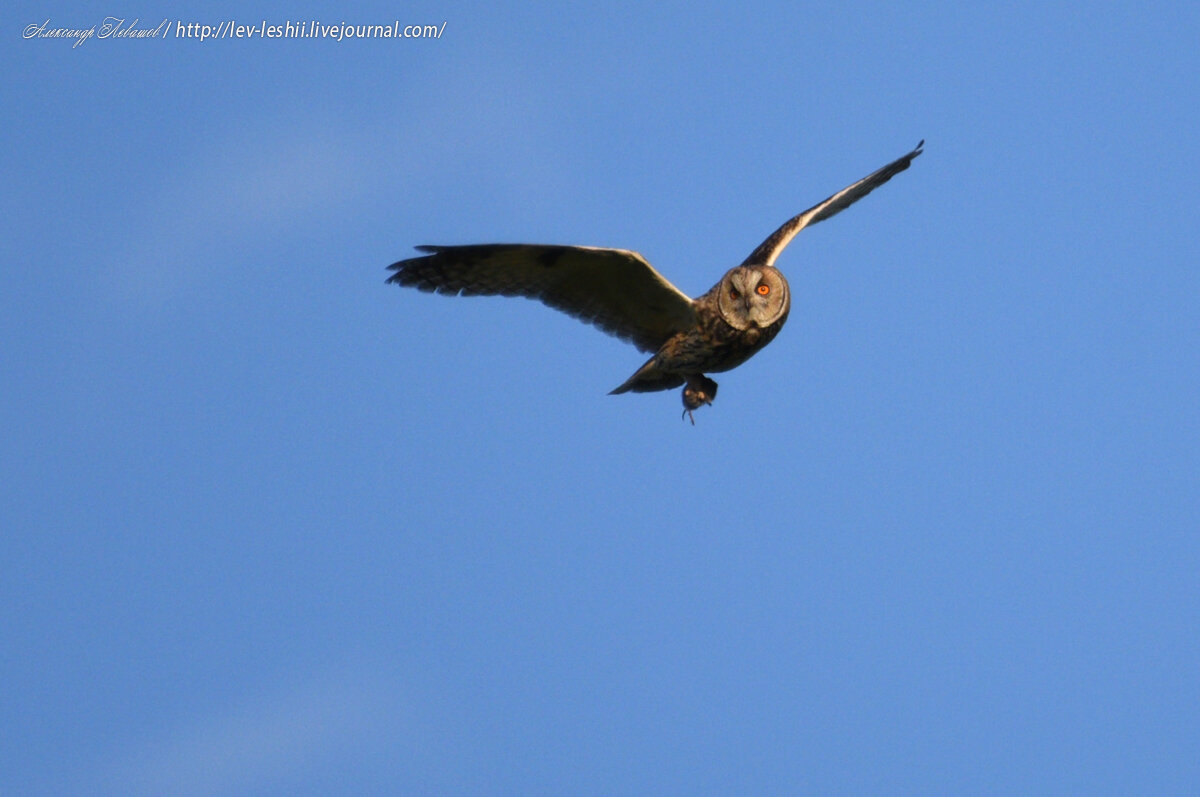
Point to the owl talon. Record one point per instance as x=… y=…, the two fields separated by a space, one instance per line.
x=700 y=390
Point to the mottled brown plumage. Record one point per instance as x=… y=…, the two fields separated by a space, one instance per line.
x=619 y=292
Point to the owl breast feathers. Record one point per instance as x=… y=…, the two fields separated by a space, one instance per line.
x=620 y=293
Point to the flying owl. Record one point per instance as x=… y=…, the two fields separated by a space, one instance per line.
x=619 y=292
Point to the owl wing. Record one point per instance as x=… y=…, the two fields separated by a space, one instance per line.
x=769 y=249
x=614 y=289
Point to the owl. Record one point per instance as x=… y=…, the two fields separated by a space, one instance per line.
x=620 y=293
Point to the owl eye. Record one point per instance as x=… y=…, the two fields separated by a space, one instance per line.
x=733 y=293
x=764 y=289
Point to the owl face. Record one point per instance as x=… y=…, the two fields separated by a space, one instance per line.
x=752 y=296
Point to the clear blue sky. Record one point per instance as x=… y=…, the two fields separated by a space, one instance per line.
x=271 y=526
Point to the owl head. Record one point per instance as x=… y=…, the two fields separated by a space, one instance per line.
x=753 y=296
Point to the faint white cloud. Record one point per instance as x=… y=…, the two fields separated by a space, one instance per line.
x=228 y=201
x=267 y=740
x=243 y=191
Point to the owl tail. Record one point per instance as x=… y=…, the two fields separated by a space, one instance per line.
x=649 y=378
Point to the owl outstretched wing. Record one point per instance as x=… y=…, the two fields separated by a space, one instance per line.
x=614 y=289
x=769 y=249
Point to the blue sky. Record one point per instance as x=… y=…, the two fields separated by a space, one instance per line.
x=272 y=526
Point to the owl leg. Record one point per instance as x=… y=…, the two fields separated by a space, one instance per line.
x=698 y=391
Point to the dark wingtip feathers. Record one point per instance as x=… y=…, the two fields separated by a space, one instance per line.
x=403 y=277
